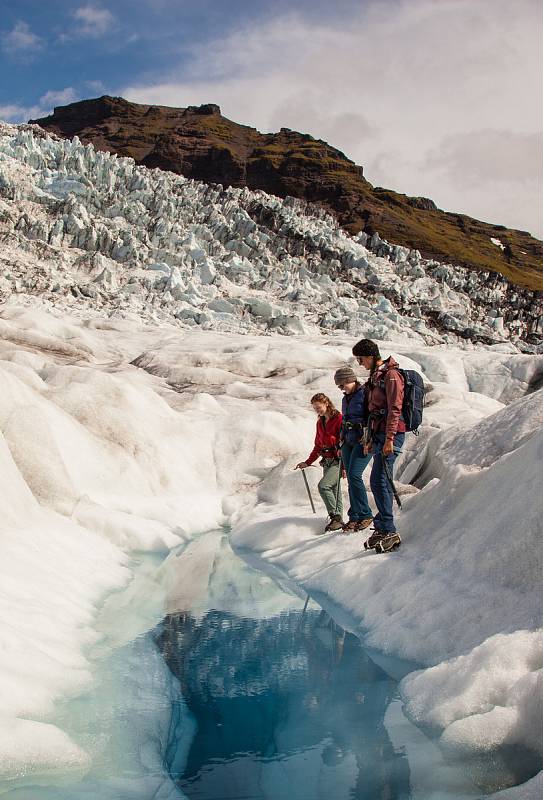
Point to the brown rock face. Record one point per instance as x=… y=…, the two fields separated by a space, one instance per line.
x=200 y=143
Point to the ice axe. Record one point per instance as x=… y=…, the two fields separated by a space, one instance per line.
x=391 y=482
x=338 y=486
x=308 y=491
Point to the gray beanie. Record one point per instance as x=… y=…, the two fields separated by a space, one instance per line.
x=344 y=375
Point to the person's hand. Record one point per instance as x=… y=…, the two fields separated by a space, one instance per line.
x=388 y=448
x=368 y=447
x=301 y=465
x=343 y=472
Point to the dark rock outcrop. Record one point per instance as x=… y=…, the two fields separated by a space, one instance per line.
x=200 y=143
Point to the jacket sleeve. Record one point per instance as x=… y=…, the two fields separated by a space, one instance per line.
x=394 y=391
x=314 y=454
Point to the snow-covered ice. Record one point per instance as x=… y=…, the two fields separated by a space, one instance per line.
x=123 y=438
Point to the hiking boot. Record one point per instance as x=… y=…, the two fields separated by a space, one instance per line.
x=335 y=524
x=390 y=541
x=362 y=524
x=350 y=527
x=374 y=539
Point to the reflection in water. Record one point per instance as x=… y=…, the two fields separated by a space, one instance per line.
x=286 y=706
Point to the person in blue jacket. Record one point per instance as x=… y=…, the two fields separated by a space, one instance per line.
x=353 y=457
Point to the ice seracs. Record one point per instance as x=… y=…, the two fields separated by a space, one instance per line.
x=232 y=259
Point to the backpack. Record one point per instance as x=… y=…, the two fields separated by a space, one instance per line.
x=413 y=398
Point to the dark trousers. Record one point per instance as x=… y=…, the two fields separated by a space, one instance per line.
x=380 y=485
x=355 y=462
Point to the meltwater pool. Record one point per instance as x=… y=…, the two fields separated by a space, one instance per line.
x=214 y=680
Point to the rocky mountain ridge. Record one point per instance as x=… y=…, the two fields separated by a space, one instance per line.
x=199 y=143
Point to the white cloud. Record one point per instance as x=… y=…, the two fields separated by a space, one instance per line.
x=58 y=98
x=17 y=113
x=418 y=92
x=21 y=42
x=14 y=112
x=95 y=86
x=93 y=21
x=502 y=156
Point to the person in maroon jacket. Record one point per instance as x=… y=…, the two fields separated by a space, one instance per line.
x=326 y=447
x=386 y=429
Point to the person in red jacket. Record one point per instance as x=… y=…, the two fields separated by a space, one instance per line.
x=386 y=428
x=326 y=446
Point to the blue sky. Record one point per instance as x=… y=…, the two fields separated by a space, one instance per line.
x=438 y=98
x=62 y=51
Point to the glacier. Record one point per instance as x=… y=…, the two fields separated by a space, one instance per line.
x=88 y=226
x=159 y=343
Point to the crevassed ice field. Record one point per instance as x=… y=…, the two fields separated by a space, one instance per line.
x=159 y=343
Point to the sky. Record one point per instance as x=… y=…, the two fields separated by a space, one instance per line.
x=440 y=98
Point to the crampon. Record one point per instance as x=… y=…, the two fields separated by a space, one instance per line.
x=383 y=542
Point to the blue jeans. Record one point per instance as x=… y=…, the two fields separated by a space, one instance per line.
x=380 y=485
x=355 y=462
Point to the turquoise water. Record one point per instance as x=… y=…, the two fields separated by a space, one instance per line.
x=286 y=703
x=241 y=693
x=286 y=706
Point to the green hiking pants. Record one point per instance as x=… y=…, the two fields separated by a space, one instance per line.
x=328 y=485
